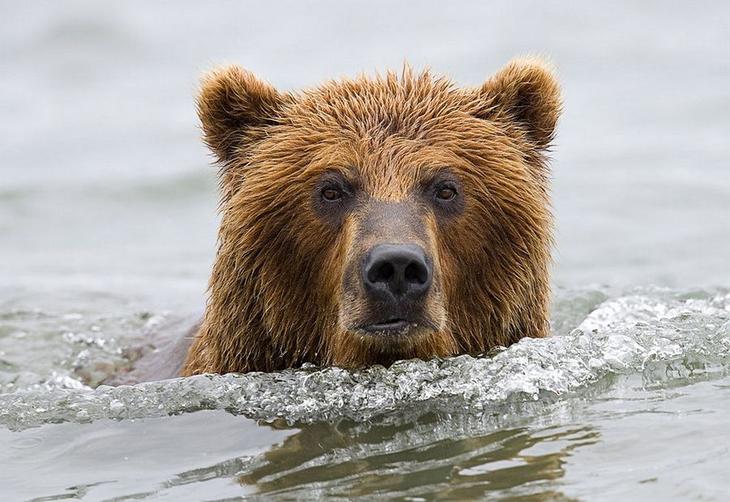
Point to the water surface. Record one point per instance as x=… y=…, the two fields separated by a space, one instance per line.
x=107 y=234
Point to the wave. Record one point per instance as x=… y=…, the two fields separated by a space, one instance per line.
x=662 y=334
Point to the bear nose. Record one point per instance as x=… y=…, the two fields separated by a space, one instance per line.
x=400 y=271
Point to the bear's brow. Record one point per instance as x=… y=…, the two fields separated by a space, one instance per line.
x=348 y=172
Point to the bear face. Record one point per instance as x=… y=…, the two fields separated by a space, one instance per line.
x=371 y=220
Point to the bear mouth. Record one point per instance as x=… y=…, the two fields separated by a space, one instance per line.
x=396 y=326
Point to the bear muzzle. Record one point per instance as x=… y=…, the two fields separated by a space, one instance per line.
x=396 y=279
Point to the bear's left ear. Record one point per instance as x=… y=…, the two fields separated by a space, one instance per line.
x=234 y=105
x=526 y=92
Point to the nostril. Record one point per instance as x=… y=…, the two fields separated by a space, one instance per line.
x=416 y=273
x=396 y=272
x=381 y=273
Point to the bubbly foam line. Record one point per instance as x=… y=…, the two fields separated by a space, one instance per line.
x=620 y=336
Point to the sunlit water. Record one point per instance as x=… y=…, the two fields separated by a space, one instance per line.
x=107 y=233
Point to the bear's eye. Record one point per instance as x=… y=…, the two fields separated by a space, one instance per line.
x=445 y=192
x=331 y=194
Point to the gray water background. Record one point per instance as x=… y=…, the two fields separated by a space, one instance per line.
x=107 y=231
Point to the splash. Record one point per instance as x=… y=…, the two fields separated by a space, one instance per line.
x=630 y=334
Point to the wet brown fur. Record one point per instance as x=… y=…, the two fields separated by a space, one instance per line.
x=276 y=290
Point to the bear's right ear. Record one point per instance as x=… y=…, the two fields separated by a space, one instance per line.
x=232 y=105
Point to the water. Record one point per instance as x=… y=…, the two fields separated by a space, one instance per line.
x=107 y=218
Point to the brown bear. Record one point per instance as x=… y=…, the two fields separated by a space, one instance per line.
x=376 y=219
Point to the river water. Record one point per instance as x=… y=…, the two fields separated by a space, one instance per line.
x=107 y=234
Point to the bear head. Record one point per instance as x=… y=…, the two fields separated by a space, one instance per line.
x=375 y=219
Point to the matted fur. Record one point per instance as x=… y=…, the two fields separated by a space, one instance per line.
x=277 y=298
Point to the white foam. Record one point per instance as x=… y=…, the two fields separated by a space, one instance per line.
x=620 y=336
